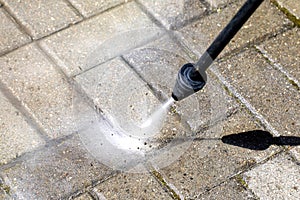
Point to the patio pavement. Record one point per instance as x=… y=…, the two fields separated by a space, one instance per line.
x=124 y=56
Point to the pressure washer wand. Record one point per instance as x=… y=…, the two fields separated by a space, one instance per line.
x=192 y=77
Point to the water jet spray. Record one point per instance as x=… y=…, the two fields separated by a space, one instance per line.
x=192 y=77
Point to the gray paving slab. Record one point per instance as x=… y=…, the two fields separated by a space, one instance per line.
x=266 y=89
x=104 y=37
x=84 y=196
x=278 y=178
x=267 y=20
x=228 y=190
x=174 y=14
x=42 y=17
x=208 y=161
x=11 y=36
x=285 y=50
x=55 y=172
x=43 y=91
x=17 y=136
x=296 y=153
x=132 y=186
x=158 y=63
x=91 y=7
x=116 y=89
x=218 y=3
x=292 y=7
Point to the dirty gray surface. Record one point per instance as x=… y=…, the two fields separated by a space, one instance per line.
x=29 y=75
x=10 y=35
x=74 y=39
x=266 y=21
x=202 y=167
x=231 y=189
x=91 y=7
x=266 y=180
x=174 y=14
x=132 y=186
x=17 y=136
x=291 y=7
x=285 y=51
x=265 y=88
x=54 y=172
x=73 y=49
x=43 y=17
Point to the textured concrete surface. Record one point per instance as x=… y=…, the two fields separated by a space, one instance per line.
x=265 y=88
x=42 y=17
x=84 y=197
x=17 y=136
x=31 y=77
x=132 y=186
x=202 y=167
x=91 y=7
x=10 y=35
x=285 y=50
x=265 y=21
x=231 y=189
x=73 y=48
x=174 y=14
x=266 y=180
x=125 y=55
x=291 y=7
x=54 y=172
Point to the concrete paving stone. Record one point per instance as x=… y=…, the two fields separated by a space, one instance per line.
x=291 y=6
x=90 y=7
x=174 y=14
x=266 y=89
x=43 y=91
x=54 y=172
x=100 y=38
x=208 y=161
x=158 y=63
x=11 y=36
x=42 y=17
x=266 y=20
x=285 y=50
x=227 y=190
x=17 y=137
x=84 y=196
x=296 y=153
x=278 y=178
x=132 y=186
x=105 y=85
x=218 y=3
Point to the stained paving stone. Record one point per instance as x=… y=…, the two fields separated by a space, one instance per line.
x=291 y=6
x=84 y=196
x=266 y=20
x=158 y=64
x=218 y=3
x=54 y=172
x=278 y=178
x=229 y=190
x=90 y=7
x=132 y=186
x=17 y=137
x=174 y=14
x=266 y=89
x=285 y=50
x=209 y=161
x=43 y=91
x=100 y=38
x=116 y=89
x=42 y=17
x=11 y=36
x=296 y=153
